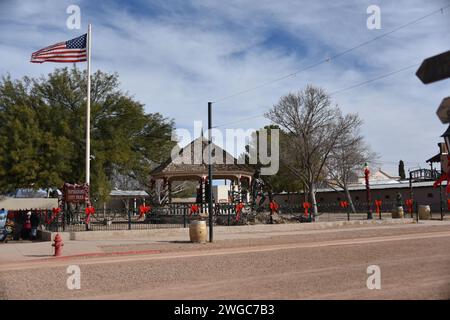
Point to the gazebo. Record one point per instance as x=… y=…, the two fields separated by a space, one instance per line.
x=189 y=164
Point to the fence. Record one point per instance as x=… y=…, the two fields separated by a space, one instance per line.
x=177 y=215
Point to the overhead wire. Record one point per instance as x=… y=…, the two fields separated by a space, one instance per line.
x=383 y=76
x=333 y=57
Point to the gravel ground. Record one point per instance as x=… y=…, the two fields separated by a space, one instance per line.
x=279 y=238
x=416 y=267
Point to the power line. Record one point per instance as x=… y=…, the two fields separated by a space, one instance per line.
x=239 y=121
x=375 y=79
x=386 y=75
x=332 y=57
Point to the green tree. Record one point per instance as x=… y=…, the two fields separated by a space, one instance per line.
x=42 y=132
x=283 y=180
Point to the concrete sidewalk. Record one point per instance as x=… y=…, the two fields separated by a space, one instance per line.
x=117 y=241
x=219 y=231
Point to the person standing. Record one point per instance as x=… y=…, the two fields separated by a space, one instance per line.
x=34 y=219
x=26 y=230
x=3 y=217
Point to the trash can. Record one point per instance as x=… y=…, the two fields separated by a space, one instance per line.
x=197 y=231
x=424 y=212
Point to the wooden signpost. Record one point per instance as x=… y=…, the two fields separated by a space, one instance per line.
x=434 y=68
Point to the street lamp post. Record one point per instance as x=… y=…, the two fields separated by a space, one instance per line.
x=366 y=176
x=210 y=203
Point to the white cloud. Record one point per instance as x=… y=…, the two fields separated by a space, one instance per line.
x=178 y=60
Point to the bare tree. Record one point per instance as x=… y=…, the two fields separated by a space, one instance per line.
x=160 y=193
x=313 y=127
x=347 y=159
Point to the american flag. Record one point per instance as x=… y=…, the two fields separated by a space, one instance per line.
x=68 y=51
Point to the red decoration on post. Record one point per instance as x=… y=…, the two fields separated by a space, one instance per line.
x=143 y=210
x=238 y=209
x=55 y=212
x=448 y=204
x=409 y=203
x=306 y=206
x=273 y=207
x=444 y=176
x=193 y=209
x=89 y=210
x=343 y=204
x=378 y=204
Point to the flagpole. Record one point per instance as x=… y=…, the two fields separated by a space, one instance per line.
x=88 y=108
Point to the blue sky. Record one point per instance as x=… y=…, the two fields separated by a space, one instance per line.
x=175 y=56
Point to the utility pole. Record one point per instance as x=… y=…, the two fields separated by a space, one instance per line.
x=210 y=204
x=366 y=176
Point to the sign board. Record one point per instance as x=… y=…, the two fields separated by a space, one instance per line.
x=443 y=111
x=434 y=68
x=76 y=193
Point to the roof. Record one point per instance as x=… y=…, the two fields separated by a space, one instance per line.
x=128 y=193
x=436 y=158
x=190 y=162
x=379 y=176
x=400 y=185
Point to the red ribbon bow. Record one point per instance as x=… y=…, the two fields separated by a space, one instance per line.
x=273 y=207
x=238 y=209
x=143 y=209
x=378 y=206
x=343 y=204
x=89 y=210
x=55 y=212
x=409 y=203
x=306 y=206
x=194 y=209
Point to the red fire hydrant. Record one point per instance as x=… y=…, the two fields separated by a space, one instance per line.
x=58 y=245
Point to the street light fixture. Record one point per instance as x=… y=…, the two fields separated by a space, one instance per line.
x=366 y=176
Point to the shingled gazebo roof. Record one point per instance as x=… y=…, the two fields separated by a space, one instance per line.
x=191 y=165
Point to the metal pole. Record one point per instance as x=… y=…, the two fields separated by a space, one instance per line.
x=129 y=220
x=210 y=205
x=411 y=195
x=440 y=202
x=369 y=210
x=381 y=212
x=88 y=109
x=417 y=212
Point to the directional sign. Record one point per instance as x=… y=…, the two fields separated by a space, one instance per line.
x=443 y=112
x=434 y=68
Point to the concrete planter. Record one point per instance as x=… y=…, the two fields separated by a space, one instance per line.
x=398 y=213
x=424 y=212
x=198 y=231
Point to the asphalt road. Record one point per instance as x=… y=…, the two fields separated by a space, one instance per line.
x=414 y=262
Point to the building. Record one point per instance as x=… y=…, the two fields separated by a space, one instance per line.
x=384 y=187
